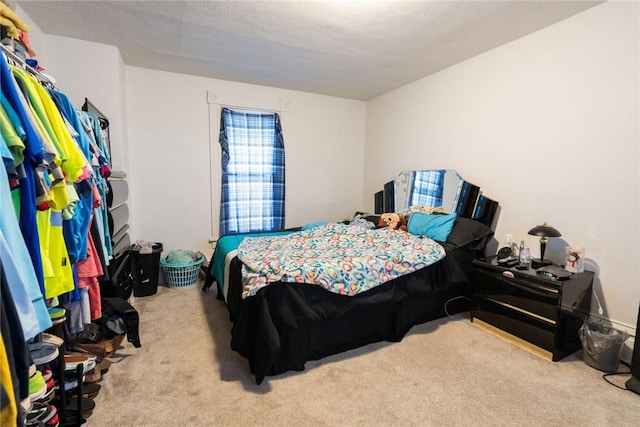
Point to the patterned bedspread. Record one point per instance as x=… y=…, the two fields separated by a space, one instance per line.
x=342 y=259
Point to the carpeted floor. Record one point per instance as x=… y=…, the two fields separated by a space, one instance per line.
x=445 y=372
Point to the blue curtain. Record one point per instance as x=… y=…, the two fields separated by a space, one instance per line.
x=428 y=187
x=252 y=172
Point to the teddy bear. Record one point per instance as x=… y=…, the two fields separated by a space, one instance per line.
x=393 y=220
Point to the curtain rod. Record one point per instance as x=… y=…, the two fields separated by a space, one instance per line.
x=239 y=107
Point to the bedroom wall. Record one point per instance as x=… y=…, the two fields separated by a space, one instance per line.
x=95 y=71
x=548 y=126
x=160 y=135
x=169 y=123
x=542 y=124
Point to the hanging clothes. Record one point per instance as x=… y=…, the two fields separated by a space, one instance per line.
x=61 y=164
x=34 y=154
x=56 y=264
x=34 y=316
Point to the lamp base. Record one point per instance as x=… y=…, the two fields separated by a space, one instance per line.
x=537 y=263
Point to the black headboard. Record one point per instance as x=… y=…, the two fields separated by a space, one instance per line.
x=464 y=198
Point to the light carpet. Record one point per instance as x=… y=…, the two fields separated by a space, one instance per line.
x=444 y=372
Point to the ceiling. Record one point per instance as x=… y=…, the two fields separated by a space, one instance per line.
x=355 y=49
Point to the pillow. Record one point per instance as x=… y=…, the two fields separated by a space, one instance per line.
x=470 y=233
x=374 y=218
x=313 y=225
x=436 y=227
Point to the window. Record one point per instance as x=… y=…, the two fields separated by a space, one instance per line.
x=427 y=190
x=252 y=172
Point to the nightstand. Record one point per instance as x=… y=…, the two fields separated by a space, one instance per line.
x=541 y=314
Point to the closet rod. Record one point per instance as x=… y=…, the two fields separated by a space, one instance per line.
x=21 y=63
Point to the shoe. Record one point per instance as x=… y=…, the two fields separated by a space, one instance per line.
x=26 y=404
x=50 y=339
x=99 y=349
x=49 y=396
x=44 y=355
x=50 y=383
x=56 y=313
x=88 y=405
x=51 y=418
x=90 y=390
x=92 y=334
x=37 y=386
x=55 y=322
x=93 y=376
x=104 y=365
x=38 y=409
x=73 y=360
x=46 y=415
x=45 y=339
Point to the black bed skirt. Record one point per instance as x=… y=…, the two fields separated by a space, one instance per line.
x=285 y=324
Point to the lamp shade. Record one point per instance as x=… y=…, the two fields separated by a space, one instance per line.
x=544 y=230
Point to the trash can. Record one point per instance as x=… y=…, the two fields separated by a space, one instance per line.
x=601 y=345
x=145 y=266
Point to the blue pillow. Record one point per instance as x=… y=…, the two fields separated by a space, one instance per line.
x=311 y=225
x=436 y=227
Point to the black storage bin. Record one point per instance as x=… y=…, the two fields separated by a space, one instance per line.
x=144 y=269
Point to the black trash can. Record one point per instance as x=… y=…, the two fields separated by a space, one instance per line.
x=601 y=345
x=144 y=269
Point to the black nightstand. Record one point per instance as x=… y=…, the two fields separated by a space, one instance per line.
x=541 y=314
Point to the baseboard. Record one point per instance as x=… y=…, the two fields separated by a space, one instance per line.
x=526 y=345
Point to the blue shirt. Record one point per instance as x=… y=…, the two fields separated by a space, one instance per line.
x=17 y=264
x=34 y=155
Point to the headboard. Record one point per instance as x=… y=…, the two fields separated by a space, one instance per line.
x=438 y=188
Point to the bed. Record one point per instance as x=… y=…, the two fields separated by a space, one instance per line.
x=280 y=327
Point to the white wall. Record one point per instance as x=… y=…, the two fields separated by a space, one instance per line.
x=94 y=71
x=169 y=134
x=86 y=70
x=159 y=124
x=548 y=126
x=36 y=36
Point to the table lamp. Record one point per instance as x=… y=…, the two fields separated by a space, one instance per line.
x=544 y=231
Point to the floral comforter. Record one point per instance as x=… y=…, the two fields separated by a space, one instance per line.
x=342 y=259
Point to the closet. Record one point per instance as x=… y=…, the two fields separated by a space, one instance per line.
x=63 y=217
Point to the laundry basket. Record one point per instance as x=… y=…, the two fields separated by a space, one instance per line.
x=181 y=275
